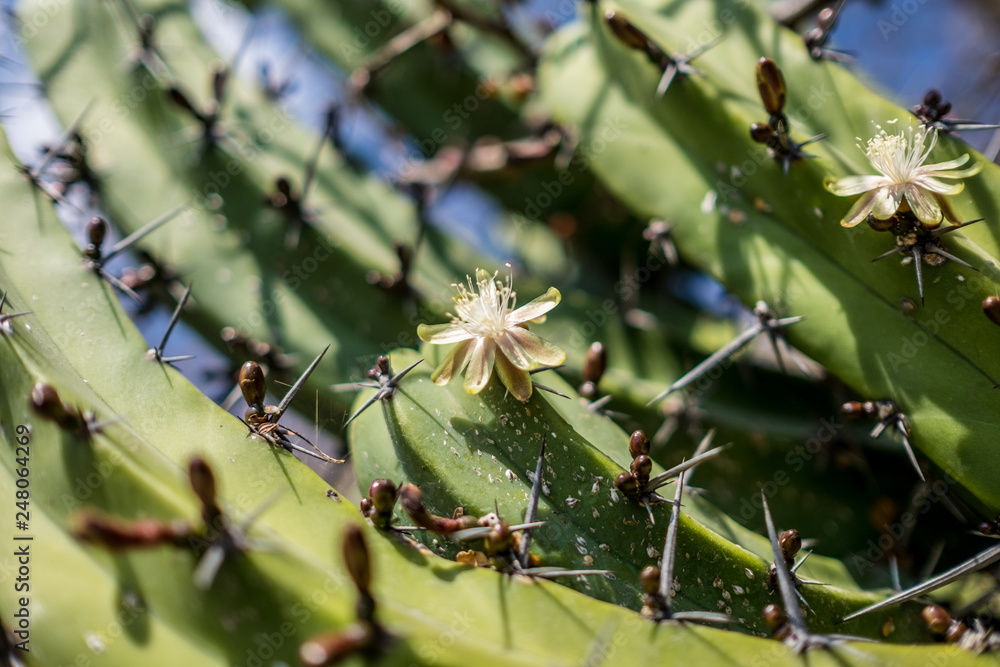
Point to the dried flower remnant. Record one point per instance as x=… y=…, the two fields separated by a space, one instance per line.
x=381 y=378
x=378 y=507
x=933 y=109
x=889 y=416
x=776 y=133
x=47 y=404
x=670 y=66
x=490 y=332
x=816 y=38
x=637 y=483
x=365 y=637
x=218 y=538
x=904 y=183
x=263 y=419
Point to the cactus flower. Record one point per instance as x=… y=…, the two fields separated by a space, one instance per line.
x=489 y=333
x=903 y=179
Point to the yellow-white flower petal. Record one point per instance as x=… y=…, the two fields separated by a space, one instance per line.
x=536 y=308
x=529 y=351
x=924 y=205
x=854 y=185
x=934 y=185
x=860 y=210
x=887 y=201
x=453 y=364
x=947 y=165
x=442 y=334
x=480 y=365
x=517 y=381
x=964 y=173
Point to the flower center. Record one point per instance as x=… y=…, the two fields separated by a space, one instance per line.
x=482 y=309
x=897 y=156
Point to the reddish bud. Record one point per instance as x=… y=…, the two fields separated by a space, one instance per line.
x=627 y=484
x=383 y=495
x=761 y=132
x=97 y=229
x=642 y=465
x=937 y=619
x=774 y=617
x=594 y=363
x=203 y=483
x=338 y=646
x=790 y=542
x=991 y=307
x=638 y=444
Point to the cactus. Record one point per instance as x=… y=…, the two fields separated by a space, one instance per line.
x=779 y=233
x=164 y=530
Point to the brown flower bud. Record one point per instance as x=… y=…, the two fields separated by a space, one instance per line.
x=118 y=534
x=97 y=229
x=638 y=444
x=642 y=465
x=383 y=495
x=761 y=132
x=650 y=579
x=47 y=404
x=991 y=307
x=203 y=483
x=774 y=617
x=937 y=619
x=955 y=632
x=790 y=542
x=625 y=31
x=356 y=558
x=252 y=383
x=771 y=84
x=338 y=646
x=627 y=484
x=594 y=363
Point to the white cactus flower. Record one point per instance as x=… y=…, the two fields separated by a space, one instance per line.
x=490 y=333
